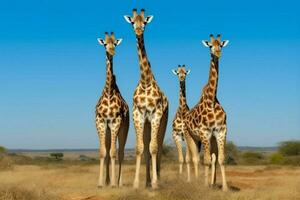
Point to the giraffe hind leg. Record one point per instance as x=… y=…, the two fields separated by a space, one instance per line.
x=160 y=137
x=122 y=137
x=146 y=140
x=214 y=155
x=107 y=157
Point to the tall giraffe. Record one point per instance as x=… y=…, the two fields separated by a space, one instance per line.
x=150 y=108
x=207 y=120
x=112 y=117
x=179 y=133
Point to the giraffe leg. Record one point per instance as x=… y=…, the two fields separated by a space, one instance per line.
x=177 y=138
x=207 y=160
x=213 y=168
x=139 y=146
x=155 y=123
x=195 y=155
x=114 y=133
x=221 y=140
x=101 y=128
x=122 y=137
x=188 y=161
x=214 y=155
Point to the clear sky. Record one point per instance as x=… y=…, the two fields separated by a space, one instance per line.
x=52 y=70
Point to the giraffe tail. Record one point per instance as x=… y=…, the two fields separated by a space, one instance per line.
x=214 y=155
x=161 y=136
x=147 y=156
x=122 y=137
x=107 y=157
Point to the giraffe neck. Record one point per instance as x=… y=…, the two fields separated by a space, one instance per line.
x=146 y=73
x=109 y=82
x=213 y=78
x=182 y=96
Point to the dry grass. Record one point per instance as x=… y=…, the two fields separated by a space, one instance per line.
x=80 y=182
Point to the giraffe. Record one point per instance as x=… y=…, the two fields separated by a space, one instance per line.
x=179 y=133
x=207 y=120
x=150 y=108
x=112 y=117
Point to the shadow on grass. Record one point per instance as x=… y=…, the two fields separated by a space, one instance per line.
x=230 y=187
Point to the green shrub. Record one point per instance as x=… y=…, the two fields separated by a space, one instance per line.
x=232 y=153
x=252 y=157
x=290 y=148
x=277 y=159
x=2 y=149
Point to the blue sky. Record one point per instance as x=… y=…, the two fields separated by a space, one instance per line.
x=52 y=70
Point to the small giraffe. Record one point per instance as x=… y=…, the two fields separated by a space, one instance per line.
x=207 y=120
x=179 y=133
x=112 y=117
x=150 y=108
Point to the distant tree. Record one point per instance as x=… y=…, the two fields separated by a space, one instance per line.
x=290 y=148
x=57 y=156
x=232 y=153
x=2 y=149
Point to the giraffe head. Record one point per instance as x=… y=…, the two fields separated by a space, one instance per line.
x=109 y=43
x=215 y=45
x=138 y=21
x=181 y=72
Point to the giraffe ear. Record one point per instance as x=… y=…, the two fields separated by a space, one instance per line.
x=101 y=41
x=188 y=71
x=128 y=19
x=224 y=43
x=118 y=41
x=174 y=71
x=148 y=19
x=206 y=43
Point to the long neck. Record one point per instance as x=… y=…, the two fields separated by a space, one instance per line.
x=109 y=73
x=146 y=73
x=182 y=96
x=213 y=78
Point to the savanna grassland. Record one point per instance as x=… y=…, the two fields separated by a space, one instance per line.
x=76 y=180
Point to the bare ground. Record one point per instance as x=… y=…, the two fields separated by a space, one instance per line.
x=80 y=182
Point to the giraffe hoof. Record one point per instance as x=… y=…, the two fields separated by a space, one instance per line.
x=113 y=186
x=100 y=186
x=225 y=189
x=135 y=185
x=154 y=186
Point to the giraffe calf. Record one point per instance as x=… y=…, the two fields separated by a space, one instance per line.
x=179 y=133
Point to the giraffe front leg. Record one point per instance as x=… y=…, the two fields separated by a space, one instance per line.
x=221 y=140
x=101 y=128
x=155 y=123
x=177 y=138
x=139 y=146
x=114 y=133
